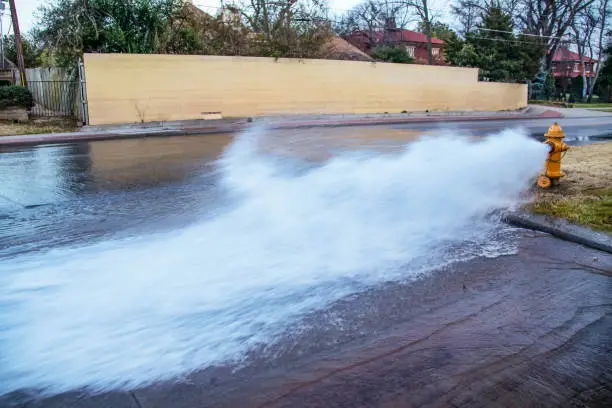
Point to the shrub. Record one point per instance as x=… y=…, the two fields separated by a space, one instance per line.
x=576 y=88
x=390 y=53
x=15 y=96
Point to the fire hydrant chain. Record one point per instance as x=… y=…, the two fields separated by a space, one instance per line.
x=557 y=151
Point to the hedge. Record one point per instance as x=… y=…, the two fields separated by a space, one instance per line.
x=14 y=95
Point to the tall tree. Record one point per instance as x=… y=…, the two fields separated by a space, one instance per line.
x=372 y=16
x=582 y=31
x=497 y=51
x=439 y=30
x=550 y=19
x=601 y=21
x=293 y=28
x=425 y=13
x=32 y=53
x=604 y=80
x=469 y=12
x=71 y=27
x=297 y=28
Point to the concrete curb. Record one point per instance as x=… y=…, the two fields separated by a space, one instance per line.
x=236 y=125
x=562 y=229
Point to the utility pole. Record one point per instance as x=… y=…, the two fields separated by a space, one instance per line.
x=2 y=34
x=18 y=44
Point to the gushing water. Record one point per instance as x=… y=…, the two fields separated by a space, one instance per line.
x=126 y=313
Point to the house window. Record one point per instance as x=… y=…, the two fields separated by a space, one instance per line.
x=577 y=66
x=410 y=50
x=435 y=52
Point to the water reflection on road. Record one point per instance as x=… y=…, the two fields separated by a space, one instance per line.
x=58 y=194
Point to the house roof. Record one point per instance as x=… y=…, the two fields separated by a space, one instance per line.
x=565 y=55
x=397 y=35
x=338 y=48
x=410 y=36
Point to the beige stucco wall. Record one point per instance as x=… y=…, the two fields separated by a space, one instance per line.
x=125 y=88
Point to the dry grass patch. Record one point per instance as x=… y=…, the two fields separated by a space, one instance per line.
x=32 y=127
x=585 y=194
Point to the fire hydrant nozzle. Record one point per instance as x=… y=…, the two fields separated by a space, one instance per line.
x=553 y=171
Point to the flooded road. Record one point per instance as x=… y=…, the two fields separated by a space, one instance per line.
x=355 y=282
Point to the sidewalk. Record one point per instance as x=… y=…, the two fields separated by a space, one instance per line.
x=232 y=125
x=576 y=112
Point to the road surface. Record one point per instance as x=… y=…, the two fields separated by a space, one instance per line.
x=529 y=329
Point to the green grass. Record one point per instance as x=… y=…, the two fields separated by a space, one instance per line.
x=593 y=105
x=603 y=109
x=594 y=210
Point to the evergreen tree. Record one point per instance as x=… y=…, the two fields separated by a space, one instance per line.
x=549 y=86
x=577 y=88
x=497 y=51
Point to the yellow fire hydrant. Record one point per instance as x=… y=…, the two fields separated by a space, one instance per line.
x=553 y=172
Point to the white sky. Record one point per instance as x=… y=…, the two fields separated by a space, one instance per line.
x=26 y=9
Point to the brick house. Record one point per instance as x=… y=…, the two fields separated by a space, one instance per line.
x=566 y=66
x=414 y=42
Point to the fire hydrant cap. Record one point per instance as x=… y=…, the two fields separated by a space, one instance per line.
x=555 y=131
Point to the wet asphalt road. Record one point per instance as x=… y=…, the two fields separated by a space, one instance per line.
x=532 y=329
x=577 y=130
x=528 y=330
x=56 y=195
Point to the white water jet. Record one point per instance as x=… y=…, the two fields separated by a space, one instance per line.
x=121 y=314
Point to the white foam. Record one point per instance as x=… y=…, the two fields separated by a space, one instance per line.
x=126 y=313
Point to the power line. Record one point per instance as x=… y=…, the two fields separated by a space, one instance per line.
x=510 y=32
x=502 y=40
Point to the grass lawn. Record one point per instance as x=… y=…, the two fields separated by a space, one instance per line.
x=585 y=194
x=8 y=128
x=593 y=210
x=593 y=105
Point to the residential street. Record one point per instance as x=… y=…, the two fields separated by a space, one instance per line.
x=530 y=329
x=522 y=322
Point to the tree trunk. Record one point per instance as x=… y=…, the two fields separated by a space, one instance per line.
x=581 y=49
x=548 y=59
x=604 y=15
x=429 y=52
x=427 y=32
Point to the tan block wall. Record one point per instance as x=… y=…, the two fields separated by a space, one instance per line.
x=123 y=88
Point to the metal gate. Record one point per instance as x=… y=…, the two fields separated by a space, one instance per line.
x=54 y=98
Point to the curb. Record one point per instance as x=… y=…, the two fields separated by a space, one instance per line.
x=160 y=131
x=562 y=229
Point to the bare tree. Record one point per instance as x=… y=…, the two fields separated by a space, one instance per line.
x=365 y=17
x=291 y=28
x=549 y=19
x=423 y=10
x=374 y=16
x=601 y=19
x=583 y=28
x=469 y=12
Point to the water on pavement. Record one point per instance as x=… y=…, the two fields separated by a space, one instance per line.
x=129 y=262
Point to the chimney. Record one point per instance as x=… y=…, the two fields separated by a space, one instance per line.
x=390 y=23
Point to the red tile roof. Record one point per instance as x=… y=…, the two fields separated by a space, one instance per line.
x=410 y=36
x=565 y=55
x=397 y=35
